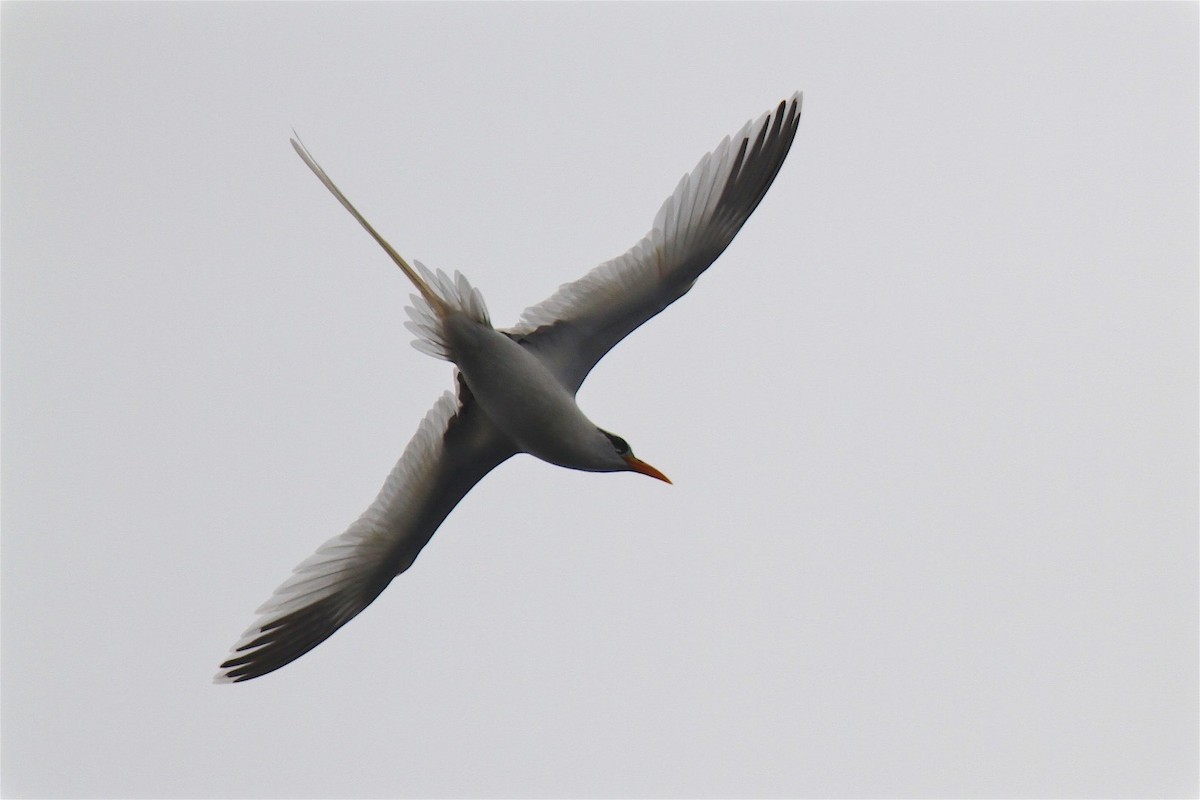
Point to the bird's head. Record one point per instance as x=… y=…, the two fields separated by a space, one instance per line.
x=632 y=462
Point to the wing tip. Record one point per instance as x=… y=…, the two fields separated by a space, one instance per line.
x=234 y=668
x=300 y=614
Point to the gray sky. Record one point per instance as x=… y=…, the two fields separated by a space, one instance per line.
x=931 y=419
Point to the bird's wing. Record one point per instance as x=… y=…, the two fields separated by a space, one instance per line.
x=454 y=447
x=582 y=321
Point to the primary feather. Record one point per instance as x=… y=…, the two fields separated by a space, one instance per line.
x=453 y=448
x=583 y=320
x=458 y=443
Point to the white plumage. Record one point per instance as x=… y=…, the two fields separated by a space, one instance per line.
x=516 y=387
x=424 y=320
x=336 y=567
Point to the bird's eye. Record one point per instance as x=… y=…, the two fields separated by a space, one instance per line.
x=622 y=447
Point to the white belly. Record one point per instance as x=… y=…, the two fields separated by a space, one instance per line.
x=521 y=396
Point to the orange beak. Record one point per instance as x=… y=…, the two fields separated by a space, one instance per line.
x=637 y=465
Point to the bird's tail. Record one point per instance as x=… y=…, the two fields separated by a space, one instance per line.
x=439 y=295
x=455 y=294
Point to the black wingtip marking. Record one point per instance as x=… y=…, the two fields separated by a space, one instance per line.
x=753 y=173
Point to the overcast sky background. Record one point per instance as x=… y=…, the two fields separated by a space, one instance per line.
x=932 y=419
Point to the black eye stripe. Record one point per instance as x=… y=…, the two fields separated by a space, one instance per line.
x=621 y=446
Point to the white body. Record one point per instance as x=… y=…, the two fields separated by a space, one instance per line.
x=524 y=399
x=520 y=387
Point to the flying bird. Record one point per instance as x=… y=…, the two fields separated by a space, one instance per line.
x=515 y=388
